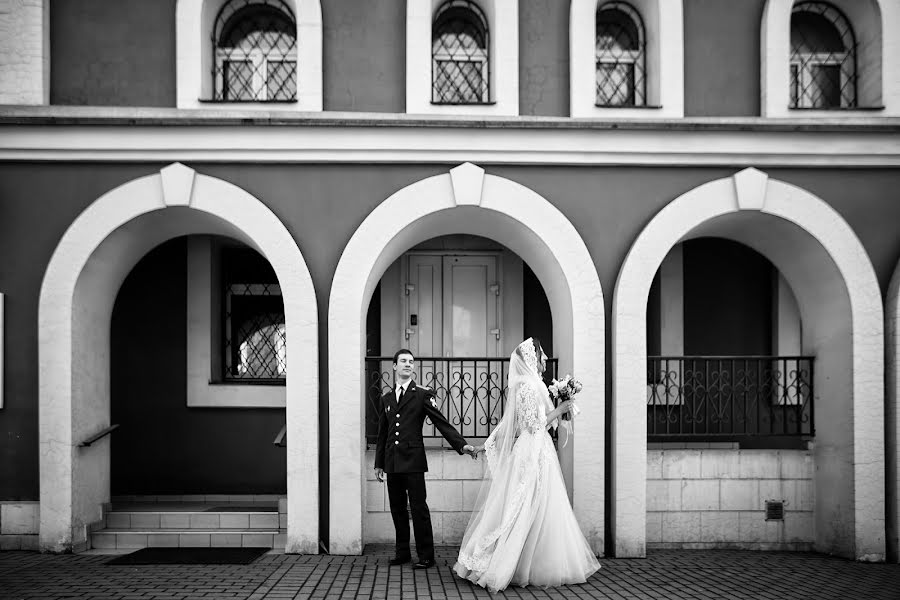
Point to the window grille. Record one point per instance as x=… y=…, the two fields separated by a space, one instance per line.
x=620 y=56
x=823 y=57
x=255 y=342
x=255 y=46
x=460 y=65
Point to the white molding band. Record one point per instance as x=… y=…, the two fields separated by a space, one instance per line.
x=194 y=20
x=878 y=38
x=77 y=294
x=664 y=29
x=25 y=52
x=663 y=146
x=543 y=237
x=503 y=57
x=850 y=496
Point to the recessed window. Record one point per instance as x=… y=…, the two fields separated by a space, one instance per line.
x=620 y=56
x=256 y=52
x=254 y=338
x=823 y=58
x=460 y=54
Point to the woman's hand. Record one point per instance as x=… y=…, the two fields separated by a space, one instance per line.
x=564 y=406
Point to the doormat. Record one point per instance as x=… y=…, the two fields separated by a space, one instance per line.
x=190 y=556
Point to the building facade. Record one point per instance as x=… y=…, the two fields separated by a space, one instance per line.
x=220 y=218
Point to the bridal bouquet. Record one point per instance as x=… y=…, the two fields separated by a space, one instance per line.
x=565 y=389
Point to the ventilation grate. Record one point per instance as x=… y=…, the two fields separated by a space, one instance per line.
x=774 y=510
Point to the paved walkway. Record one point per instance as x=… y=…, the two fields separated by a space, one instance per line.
x=669 y=575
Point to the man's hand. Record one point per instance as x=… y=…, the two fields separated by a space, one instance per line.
x=379 y=474
x=470 y=450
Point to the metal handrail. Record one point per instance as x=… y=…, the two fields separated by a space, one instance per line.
x=97 y=436
x=281 y=438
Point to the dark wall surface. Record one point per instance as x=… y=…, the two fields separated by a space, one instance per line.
x=727 y=299
x=544 y=58
x=162 y=446
x=118 y=53
x=721 y=57
x=322 y=205
x=364 y=55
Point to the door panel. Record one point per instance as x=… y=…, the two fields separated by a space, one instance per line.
x=470 y=306
x=425 y=337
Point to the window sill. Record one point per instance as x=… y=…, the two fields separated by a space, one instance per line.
x=245 y=102
x=628 y=106
x=838 y=109
x=433 y=103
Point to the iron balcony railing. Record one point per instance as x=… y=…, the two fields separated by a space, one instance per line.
x=470 y=392
x=722 y=397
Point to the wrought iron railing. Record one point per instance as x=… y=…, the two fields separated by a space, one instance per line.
x=470 y=392
x=721 y=397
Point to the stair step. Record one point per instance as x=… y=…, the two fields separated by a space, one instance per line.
x=216 y=538
x=164 y=520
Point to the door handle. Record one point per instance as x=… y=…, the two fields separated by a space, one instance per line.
x=496 y=333
x=410 y=332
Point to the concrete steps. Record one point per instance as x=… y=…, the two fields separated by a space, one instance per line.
x=142 y=524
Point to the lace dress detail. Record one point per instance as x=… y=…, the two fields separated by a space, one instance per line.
x=532 y=421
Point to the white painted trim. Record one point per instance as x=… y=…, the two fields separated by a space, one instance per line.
x=503 y=25
x=664 y=24
x=873 y=21
x=824 y=225
x=543 y=237
x=194 y=20
x=413 y=145
x=25 y=52
x=93 y=257
x=201 y=393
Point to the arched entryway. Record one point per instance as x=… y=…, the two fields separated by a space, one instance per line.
x=840 y=305
x=468 y=201
x=79 y=288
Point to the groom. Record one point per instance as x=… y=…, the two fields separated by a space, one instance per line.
x=400 y=453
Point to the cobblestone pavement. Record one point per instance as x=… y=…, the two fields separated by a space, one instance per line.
x=669 y=575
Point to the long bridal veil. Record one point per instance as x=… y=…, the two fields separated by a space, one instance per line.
x=495 y=510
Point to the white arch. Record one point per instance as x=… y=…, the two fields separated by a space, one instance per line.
x=892 y=414
x=783 y=206
x=82 y=279
x=878 y=60
x=465 y=200
x=194 y=21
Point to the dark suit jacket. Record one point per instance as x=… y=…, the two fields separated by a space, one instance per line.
x=400 y=448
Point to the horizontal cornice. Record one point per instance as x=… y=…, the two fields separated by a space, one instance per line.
x=144 y=134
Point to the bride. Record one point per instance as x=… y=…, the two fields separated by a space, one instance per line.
x=523 y=530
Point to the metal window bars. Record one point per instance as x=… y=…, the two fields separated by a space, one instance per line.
x=722 y=397
x=823 y=58
x=255 y=52
x=460 y=54
x=470 y=392
x=255 y=341
x=620 y=54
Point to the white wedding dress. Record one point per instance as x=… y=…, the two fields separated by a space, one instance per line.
x=523 y=531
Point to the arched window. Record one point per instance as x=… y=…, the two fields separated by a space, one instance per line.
x=620 y=56
x=255 y=46
x=823 y=57
x=460 y=54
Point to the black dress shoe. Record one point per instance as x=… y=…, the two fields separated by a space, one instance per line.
x=424 y=564
x=399 y=560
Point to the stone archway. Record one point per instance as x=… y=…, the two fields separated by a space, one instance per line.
x=892 y=414
x=77 y=294
x=465 y=200
x=821 y=258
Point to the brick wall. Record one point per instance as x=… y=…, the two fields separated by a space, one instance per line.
x=713 y=498
x=452 y=484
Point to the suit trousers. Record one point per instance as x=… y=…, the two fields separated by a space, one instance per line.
x=412 y=485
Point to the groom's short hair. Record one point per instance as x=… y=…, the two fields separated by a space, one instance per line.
x=403 y=351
